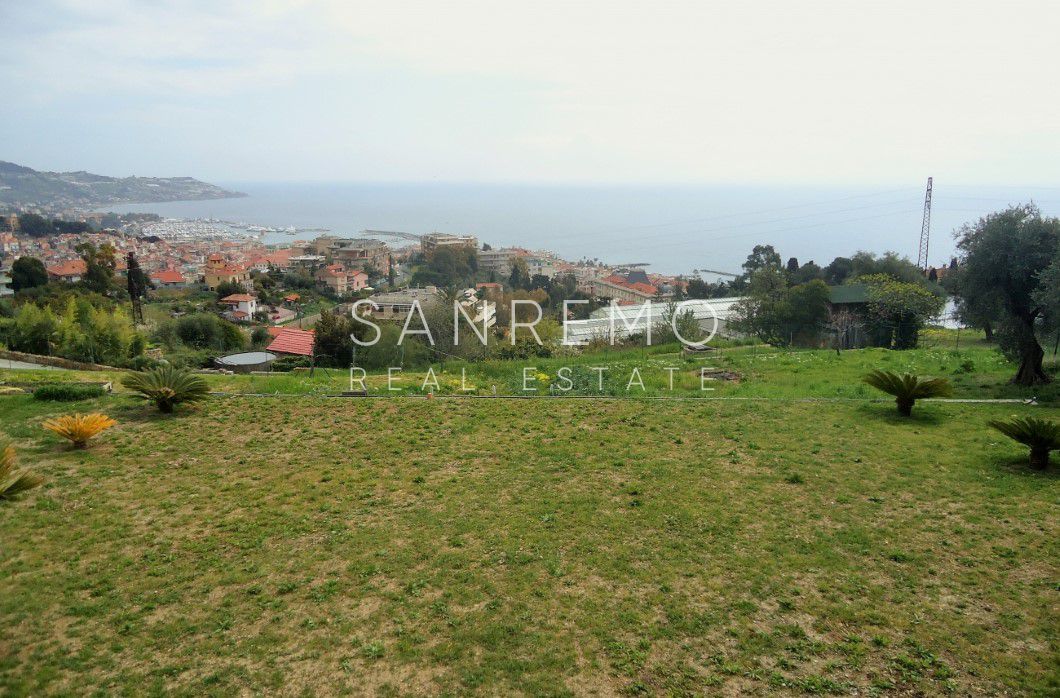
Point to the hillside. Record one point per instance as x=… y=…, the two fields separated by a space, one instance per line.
x=25 y=187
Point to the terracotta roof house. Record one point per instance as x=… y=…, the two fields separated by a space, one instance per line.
x=341 y=280
x=292 y=342
x=219 y=270
x=169 y=278
x=241 y=306
x=617 y=287
x=71 y=270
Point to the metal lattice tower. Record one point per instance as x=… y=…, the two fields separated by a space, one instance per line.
x=925 y=230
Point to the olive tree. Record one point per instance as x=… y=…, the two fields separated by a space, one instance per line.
x=1001 y=275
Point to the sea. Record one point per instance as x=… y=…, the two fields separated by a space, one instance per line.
x=672 y=229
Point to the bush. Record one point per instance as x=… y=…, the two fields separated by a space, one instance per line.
x=167 y=386
x=1041 y=435
x=285 y=364
x=260 y=337
x=144 y=363
x=907 y=388
x=83 y=330
x=79 y=428
x=201 y=331
x=68 y=392
x=14 y=480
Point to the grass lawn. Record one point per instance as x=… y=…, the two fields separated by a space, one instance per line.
x=976 y=370
x=304 y=545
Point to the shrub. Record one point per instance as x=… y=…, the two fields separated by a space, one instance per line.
x=68 y=392
x=14 y=480
x=143 y=363
x=79 y=428
x=167 y=386
x=1041 y=435
x=907 y=388
x=80 y=329
x=288 y=363
x=201 y=331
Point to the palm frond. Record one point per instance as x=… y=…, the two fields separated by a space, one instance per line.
x=79 y=428
x=14 y=480
x=1030 y=431
x=907 y=388
x=167 y=386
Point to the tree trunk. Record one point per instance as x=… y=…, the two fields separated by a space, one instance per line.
x=988 y=330
x=1039 y=458
x=905 y=407
x=1031 y=353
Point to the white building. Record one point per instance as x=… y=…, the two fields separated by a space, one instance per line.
x=498 y=261
x=540 y=265
x=712 y=315
x=241 y=307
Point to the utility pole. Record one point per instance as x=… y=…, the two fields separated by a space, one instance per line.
x=925 y=230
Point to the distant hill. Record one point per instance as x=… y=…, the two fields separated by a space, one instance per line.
x=23 y=187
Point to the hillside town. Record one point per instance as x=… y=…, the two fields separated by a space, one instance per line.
x=184 y=254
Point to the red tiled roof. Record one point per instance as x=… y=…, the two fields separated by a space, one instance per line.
x=292 y=341
x=168 y=276
x=238 y=298
x=639 y=286
x=74 y=267
x=291 y=297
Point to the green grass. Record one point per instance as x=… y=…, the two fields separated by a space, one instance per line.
x=310 y=546
x=976 y=369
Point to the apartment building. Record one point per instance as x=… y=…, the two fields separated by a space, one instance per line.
x=433 y=241
x=498 y=261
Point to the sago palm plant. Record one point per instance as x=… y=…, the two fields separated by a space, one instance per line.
x=1041 y=435
x=167 y=386
x=79 y=428
x=907 y=388
x=14 y=480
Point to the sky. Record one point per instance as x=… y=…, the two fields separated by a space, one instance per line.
x=779 y=93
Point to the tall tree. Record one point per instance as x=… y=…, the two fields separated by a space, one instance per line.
x=520 y=276
x=780 y=314
x=1048 y=296
x=761 y=256
x=34 y=226
x=1003 y=257
x=899 y=309
x=28 y=272
x=99 y=266
x=137 y=283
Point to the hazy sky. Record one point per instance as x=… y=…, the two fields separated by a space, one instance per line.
x=591 y=91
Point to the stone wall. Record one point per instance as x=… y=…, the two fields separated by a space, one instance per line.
x=53 y=361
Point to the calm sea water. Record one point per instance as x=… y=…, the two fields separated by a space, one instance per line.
x=675 y=229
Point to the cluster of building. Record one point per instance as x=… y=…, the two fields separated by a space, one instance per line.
x=341 y=265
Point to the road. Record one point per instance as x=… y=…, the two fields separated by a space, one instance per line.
x=8 y=363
